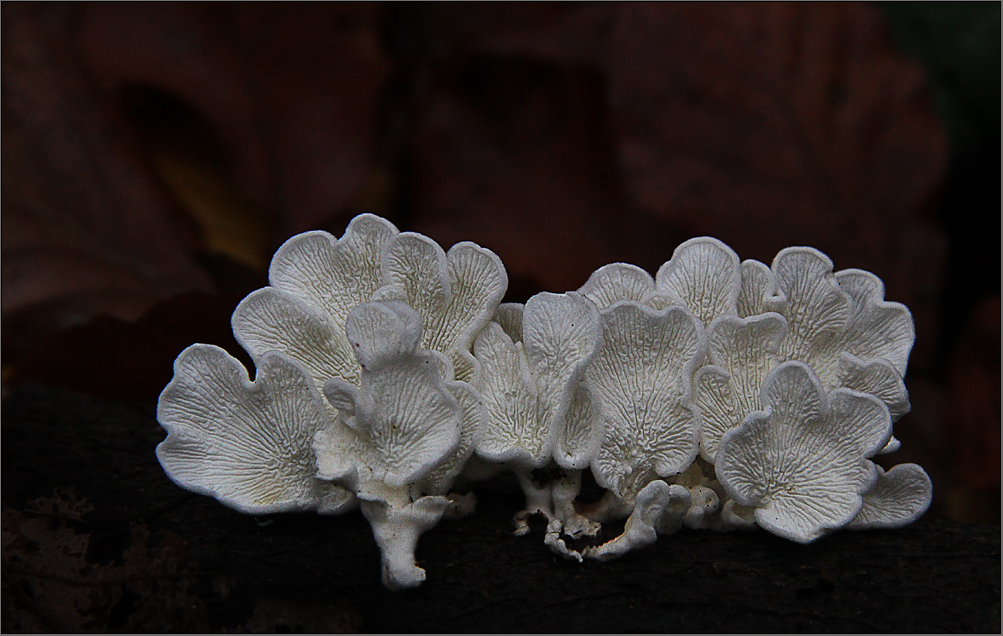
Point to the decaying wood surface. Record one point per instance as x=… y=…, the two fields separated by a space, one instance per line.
x=96 y=538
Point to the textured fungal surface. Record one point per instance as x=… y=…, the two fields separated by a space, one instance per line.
x=840 y=325
x=900 y=497
x=704 y=276
x=529 y=385
x=402 y=421
x=618 y=281
x=803 y=464
x=400 y=436
x=741 y=352
x=641 y=376
x=248 y=444
x=718 y=394
x=315 y=281
x=456 y=293
x=539 y=412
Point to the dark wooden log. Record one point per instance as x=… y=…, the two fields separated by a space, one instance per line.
x=96 y=538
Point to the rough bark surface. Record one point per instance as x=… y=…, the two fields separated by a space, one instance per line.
x=96 y=538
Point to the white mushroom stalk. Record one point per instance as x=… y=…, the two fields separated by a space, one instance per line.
x=718 y=394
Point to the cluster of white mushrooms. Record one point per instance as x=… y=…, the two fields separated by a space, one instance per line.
x=719 y=394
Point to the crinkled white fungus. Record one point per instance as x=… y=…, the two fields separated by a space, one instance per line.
x=399 y=438
x=717 y=394
x=248 y=444
x=537 y=410
x=316 y=280
x=803 y=463
x=641 y=377
x=704 y=276
x=900 y=497
x=741 y=353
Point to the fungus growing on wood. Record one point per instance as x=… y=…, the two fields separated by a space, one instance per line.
x=641 y=378
x=248 y=444
x=538 y=412
x=718 y=394
x=397 y=428
x=804 y=463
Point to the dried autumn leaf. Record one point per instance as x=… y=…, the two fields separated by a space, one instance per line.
x=290 y=90
x=770 y=125
x=764 y=125
x=86 y=229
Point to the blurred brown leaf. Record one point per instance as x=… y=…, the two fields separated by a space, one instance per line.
x=770 y=125
x=133 y=360
x=765 y=125
x=85 y=229
x=290 y=89
x=506 y=153
x=140 y=139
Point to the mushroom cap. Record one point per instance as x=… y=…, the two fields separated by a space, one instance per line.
x=530 y=385
x=403 y=420
x=900 y=497
x=703 y=275
x=803 y=462
x=641 y=377
x=248 y=444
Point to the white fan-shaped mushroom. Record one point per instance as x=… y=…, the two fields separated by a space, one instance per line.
x=456 y=293
x=803 y=377
x=803 y=463
x=537 y=411
x=841 y=326
x=248 y=444
x=757 y=285
x=315 y=280
x=618 y=281
x=874 y=350
x=641 y=378
x=403 y=432
x=704 y=276
x=741 y=352
x=402 y=420
x=474 y=417
x=807 y=295
x=900 y=497
x=876 y=328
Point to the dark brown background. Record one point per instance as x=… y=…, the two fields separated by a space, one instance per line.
x=154 y=156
